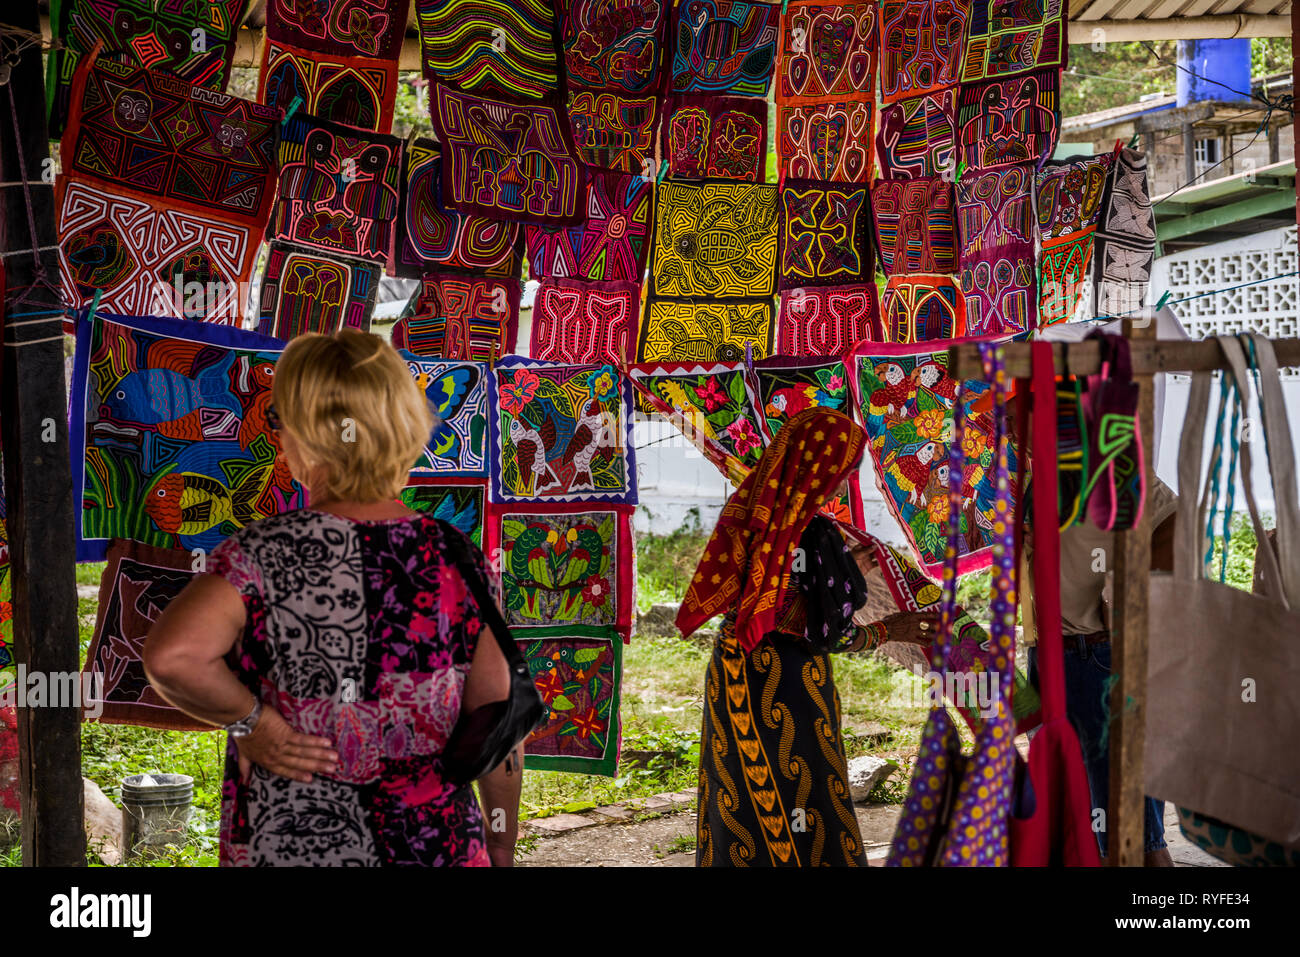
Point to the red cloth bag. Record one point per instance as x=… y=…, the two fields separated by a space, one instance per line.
x=1058 y=830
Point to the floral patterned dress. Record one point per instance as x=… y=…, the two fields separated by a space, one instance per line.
x=361 y=632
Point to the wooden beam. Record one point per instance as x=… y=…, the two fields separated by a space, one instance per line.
x=1179 y=28
x=1126 y=815
x=1149 y=357
x=38 y=479
x=1221 y=216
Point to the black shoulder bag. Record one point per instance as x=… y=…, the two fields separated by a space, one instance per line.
x=482 y=739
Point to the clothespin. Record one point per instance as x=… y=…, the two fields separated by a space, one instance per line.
x=1133 y=143
x=1164 y=298
x=293 y=108
x=663 y=171
x=784 y=5
x=94 y=305
x=961 y=168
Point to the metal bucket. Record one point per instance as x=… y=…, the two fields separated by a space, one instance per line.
x=155 y=811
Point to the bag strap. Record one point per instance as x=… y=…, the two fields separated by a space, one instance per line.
x=1047 y=538
x=1189 y=529
x=1281 y=472
x=488 y=610
x=1281 y=453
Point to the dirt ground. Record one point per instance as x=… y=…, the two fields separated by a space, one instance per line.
x=664 y=841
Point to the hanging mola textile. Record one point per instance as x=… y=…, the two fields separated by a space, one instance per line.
x=192 y=42
x=905 y=398
x=165 y=193
x=338 y=59
x=170 y=441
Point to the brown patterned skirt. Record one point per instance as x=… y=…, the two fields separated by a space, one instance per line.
x=774 y=788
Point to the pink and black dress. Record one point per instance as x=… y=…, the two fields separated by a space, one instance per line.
x=361 y=632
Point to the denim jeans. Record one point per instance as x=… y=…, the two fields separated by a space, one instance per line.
x=1087 y=667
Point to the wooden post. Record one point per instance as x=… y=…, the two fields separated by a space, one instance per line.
x=1132 y=565
x=38 y=479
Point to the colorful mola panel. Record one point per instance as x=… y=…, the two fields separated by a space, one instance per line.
x=829 y=142
x=560 y=433
x=353 y=28
x=169 y=435
x=458 y=502
x=1065 y=280
x=353 y=91
x=490 y=47
x=177 y=145
x=305 y=291
x=713 y=405
x=715 y=240
x=705 y=331
x=1068 y=195
x=430 y=237
x=716 y=138
x=1068 y=199
x=613 y=243
x=579 y=673
x=585 y=322
x=824 y=234
x=613 y=46
x=159 y=36
x=339 y=188
x=918 y=136
x=827 y=320
x=905 y=398
x=784 y=387
x=828 y=52
x=149 y=258
x=724 y=46
x=462 y=317
x=1125 y=237
x=563 y=565
x=139 y=582
x=506 y=161
x=995 y=223
x=457 y=394
x=921 y=44
x=915 y=225
x=1006 y=39
x=922 y=309
x=613 y=130
x=1004 y=122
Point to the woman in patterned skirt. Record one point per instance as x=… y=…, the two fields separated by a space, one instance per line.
x=774 y=785
x=339 y=644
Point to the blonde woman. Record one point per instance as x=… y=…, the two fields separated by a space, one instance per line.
x=338 y=644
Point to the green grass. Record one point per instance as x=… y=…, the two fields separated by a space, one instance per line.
x=666 y=563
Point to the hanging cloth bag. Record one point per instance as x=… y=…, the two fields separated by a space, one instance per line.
x=1222 y=713
x=1058 y=828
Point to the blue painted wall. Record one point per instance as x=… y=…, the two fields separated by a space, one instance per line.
x=1227 y=61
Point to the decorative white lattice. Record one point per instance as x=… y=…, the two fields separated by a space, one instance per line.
x=1269 y=308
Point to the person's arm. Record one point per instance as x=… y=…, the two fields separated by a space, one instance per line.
x=184 y=659
x=499 y=789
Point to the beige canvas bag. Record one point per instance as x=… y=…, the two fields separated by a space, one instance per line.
x=1223 y=680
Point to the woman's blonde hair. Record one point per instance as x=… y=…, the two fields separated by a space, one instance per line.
x=354 y=407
